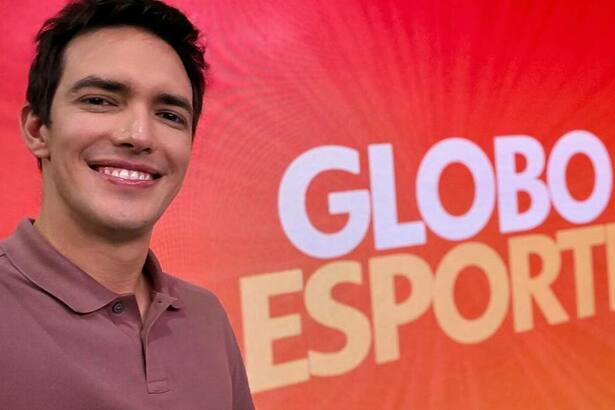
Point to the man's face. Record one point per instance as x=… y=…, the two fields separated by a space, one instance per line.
x=120 y=134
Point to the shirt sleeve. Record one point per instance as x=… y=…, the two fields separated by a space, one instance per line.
x=242 y=398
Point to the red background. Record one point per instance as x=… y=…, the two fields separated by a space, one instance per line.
x=291 y=75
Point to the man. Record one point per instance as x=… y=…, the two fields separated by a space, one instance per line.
x=89 y=319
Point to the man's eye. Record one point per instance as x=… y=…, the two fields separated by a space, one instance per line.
x=96 y=101
x=169 y=116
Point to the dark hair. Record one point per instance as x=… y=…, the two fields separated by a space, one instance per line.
x=81 y=16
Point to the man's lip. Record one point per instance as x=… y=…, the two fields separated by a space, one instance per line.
x=129 y=165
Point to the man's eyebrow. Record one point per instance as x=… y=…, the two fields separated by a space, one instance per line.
x=175 y=100
x=97 y=82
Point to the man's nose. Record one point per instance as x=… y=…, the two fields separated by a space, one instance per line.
x=136 y=132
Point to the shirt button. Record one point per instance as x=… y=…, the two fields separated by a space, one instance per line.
x=118 y=307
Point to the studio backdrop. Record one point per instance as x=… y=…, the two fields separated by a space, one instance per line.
x=402 y=204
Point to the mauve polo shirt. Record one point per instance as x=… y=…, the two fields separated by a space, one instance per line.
x=67 y=342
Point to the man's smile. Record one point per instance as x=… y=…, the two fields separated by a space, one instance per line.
x=125 y=172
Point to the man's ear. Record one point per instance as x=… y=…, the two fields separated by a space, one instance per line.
x=34 y=132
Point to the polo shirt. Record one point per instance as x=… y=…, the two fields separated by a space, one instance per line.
x=67 y=342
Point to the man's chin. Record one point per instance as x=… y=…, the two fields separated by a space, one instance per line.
x=123 y=229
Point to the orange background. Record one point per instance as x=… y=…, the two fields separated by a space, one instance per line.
x=291 y=75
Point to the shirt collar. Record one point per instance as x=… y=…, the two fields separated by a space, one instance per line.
x=43 y=265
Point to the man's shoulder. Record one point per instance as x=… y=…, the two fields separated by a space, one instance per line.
x=2 y=247
x=6 y=266
x=15 y=286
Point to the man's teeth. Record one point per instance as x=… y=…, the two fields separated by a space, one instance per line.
x=126 y=174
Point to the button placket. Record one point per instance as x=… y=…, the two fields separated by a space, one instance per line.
x=155 y=371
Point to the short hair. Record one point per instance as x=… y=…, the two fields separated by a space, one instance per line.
x=82 y=16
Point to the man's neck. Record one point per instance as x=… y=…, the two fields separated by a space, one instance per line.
x=117 y=265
